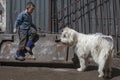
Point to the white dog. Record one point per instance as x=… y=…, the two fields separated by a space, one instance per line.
x=99 y=46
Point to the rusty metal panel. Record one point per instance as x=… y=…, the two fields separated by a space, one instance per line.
x=40 y=15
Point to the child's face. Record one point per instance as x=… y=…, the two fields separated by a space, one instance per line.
x=30 y=9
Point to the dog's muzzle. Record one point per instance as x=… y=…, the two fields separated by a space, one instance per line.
x=57 y=40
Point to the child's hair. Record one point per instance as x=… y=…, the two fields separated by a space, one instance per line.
x=29 y=4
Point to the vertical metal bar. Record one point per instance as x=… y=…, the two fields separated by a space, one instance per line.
x=52 y=13
x=7 y=15
x=53 y=19
x=118 y=18
x=81 y=11
x=95 y=19
x=56 y=17
x=110 y=18
x=49 y=16
x=101 y=10
x=107 y=9
x=37 y=15
x=90 y=18
x=44 y=16
x=53 y=16
x=114 y=14
x=40 y=15
x=59 y=14
x=76 y=16
x=70 y=21
x=68 y=13
x=80 y=16
x=65 y=12
x=11 y=16
x=73 y=13
x=84 y=28
x=88 y=10
x=96 y=16
x=106 y=16
x=119 y=28
x=62 y=13
x=86 y=16
x=116 y=24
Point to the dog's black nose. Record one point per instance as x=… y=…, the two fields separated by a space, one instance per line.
x=57 y=40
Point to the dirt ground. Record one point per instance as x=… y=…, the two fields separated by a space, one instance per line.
x=51 y=73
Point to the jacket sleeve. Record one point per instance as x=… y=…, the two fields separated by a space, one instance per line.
x=34 y=26
x=18 y=21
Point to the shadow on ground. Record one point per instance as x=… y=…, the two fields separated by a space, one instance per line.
x=115 y=71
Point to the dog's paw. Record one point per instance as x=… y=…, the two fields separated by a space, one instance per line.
x=108 y=76
x=80 y=69
x=101 y=75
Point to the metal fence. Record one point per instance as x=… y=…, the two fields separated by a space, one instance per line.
x=86 y=16
x=89 y=16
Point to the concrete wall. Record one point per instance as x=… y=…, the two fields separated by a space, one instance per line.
x=45 y=49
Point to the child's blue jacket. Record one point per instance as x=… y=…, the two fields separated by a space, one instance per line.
x=24 y=21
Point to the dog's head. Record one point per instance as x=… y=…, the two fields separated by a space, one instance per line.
x=68 y=36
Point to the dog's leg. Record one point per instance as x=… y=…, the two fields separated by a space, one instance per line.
x=108 y=66
x=101 y=62
x=82 y=64
x=107 y=70
x=101 y=67
x=99 y=59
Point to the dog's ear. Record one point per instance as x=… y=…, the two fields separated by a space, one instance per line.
x=74 y=37
x=62 y=28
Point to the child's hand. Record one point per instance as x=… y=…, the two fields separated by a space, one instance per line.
x=14 y=30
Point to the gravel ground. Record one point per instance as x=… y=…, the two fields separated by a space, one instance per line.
x=59 y=73
x=47 y=73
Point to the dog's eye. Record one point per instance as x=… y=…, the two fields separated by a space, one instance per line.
x=64 y=35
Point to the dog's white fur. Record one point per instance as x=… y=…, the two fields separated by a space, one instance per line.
x=99 y=46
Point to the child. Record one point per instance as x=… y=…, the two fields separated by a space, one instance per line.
x=26 y=30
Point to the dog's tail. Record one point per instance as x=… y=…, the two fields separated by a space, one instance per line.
x=110 y=41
